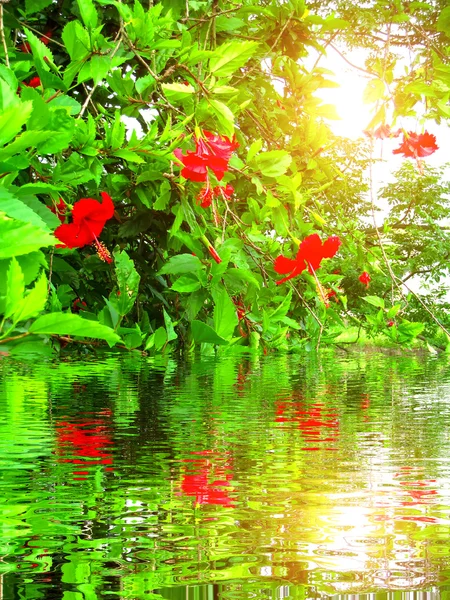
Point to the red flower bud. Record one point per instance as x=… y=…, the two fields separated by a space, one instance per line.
x=365 y=278
x=214 y=254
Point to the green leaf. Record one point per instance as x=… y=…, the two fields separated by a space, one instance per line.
x=12 y=120
x=76 y=40
x=203 y=333
x=375 y=301
x=231 y=56
x=160 y=338
x=34 y=6
x=13 y=207
x=128 y=279
x=18 y=238
x=185 y=284
x=34 y=302
x=374 y=91
x=273 y=163
x=410 y=330
x=254 y=149
x=171 y=335
x=88 y=13
x=443 y=22
x=181 y=263
x=280 y=312
x=224 y=117
x=177 y=93
x=68 y=324
x=129 y=156
x=15 y=288
x=225 y=315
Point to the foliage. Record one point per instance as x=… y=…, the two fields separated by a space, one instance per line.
x=106 y=98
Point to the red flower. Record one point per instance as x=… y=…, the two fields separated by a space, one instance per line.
x=88 y=219
x=226 y=192
x=34 y=82
x=205 y=197
x=417 y=145
x=59 y=210
x=331 y=246
x=213 y=153
x=309 y=255
x=78 y=305
x=365 y=278
x=25 y=47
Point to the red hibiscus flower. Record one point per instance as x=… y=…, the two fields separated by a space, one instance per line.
x=365 y=278
x=34 y=82
x=417 y=145
x=309 y=256
x=88 y=219
x=213 y=153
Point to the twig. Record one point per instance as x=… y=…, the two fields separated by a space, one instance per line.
x=94 y=87
x=283 y=29
x=2 y=34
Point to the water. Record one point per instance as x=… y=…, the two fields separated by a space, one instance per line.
x=228 y=478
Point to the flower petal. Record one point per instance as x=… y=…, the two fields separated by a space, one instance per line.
x=284 y=265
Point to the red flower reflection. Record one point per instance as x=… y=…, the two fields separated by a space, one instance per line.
x=211 y=152
x=417 y=145
x=206 y=476
x=88 y=219
x=86 y=441
x=315 y=421
x=309 y=256
x=365 y=278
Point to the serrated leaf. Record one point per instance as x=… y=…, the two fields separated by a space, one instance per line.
x=374 y=301
x=15 y=208
x=182 y=263
x=15 y=288
x=224 y=117
x=273 y=163
x=129 y=156
x=17 y=238
x=231 y=56
x=88 y=13
x=68 y=324
x=13 y=119
x=128 y=279
x=76 y=40
x=34 y=302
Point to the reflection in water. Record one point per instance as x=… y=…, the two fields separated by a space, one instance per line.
x=281 y=477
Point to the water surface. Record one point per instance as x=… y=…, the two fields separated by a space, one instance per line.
x=225 y=478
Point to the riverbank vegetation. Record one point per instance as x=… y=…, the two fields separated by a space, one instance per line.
x=169 y=177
